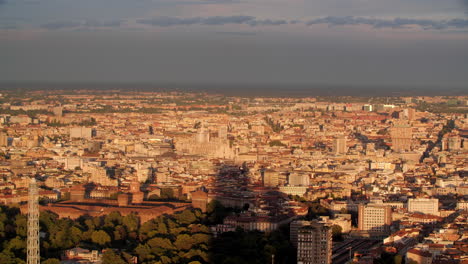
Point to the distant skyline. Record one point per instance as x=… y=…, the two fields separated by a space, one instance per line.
x=403 y=43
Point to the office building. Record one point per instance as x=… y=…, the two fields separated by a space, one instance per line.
x=270 y=178
x=81 y=132
x=339 y=145
x=401 y=137
x=314 y=244
x=425 y=206
x=296 y=179
x=374 y=218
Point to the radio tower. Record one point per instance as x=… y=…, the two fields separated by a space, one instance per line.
x=33 y=224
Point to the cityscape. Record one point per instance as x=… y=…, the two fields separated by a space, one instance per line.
x=138 y=176
x=233 y=131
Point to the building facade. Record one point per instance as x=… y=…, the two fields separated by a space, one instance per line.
x=374 y=218
x=314 y=244
x=425 y=206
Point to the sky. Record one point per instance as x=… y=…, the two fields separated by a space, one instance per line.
x=334 y=42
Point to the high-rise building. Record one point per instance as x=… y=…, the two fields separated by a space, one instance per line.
x=409 y=114
x=81 y=132
x=374 y=218
x=401 y=137
x=297 y=179
x=339 y=145
x=314 y=244
x=203 y=135
x=223 y=132
x=425 y=206
x=3 y=140
x=58 y=111
x=270 y=178
x=294 y=229
x=454 y=143
x=33 y=224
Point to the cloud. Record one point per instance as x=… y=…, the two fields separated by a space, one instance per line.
x=56 y=25
x=109 y=23
x=237 y=33
x=390 y=23
x=211 y=21
x=294 y=21
x=216 y=20
x=220 y=20
x=464 y=3
x=169 y=21
x=61 y=25
x=458 y=23
x=267 y=22
x=165 y=21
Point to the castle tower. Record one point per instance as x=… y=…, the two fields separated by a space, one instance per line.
x=134 y=184
x=223 y=132
x=33 y=224
x=200 y=200
x=136 y=194
x=401 y=135
x=203 y=135
x=339 y=145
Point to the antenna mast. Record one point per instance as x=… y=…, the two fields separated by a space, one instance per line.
x=33 y=224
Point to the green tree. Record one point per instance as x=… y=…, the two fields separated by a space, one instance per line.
x=199 y=228
x=337 y=232
x=90 y=224
x=100 y=237
x=63 y=234
x=185 y=217
x=47 y=220
x=75 y=235
x=131 y=222
x=144 y=252
x=146 y=228
x=201 y=238
x=159 y=242
x=21 y=225
x=8 y=257
x=17 y=245
x=110 y=257
x=162 y=228
x=120 y=233
x=166 y=260
x=51 y=261
x=113 y=219
x=196 y=253
x=183 y=242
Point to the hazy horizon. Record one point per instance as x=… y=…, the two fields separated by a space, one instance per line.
x=245 y=89
x=341 y=42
